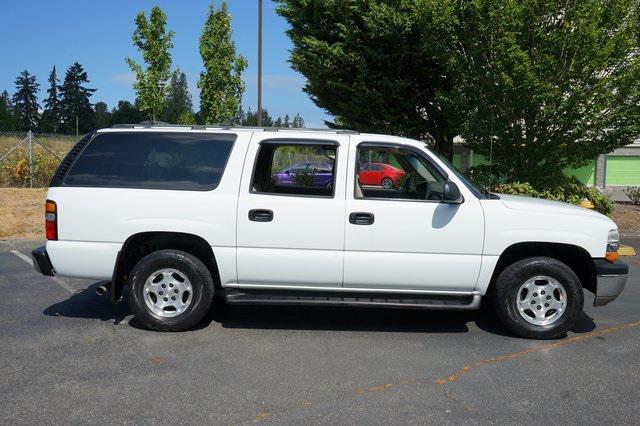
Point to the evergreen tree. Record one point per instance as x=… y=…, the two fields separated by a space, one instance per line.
x=241 y=117
x=277 y=122
x=286 y=122
x=126 y=113
x=25 y=101
x=50 y=121
x=154 y=41
x=220 y=83
x=178 y=99
x=186 y=117
x=7 y=121
x=103 y=116
x=75 y=107
x=297 y=121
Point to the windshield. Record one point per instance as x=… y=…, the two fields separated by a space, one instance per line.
x=477 y=192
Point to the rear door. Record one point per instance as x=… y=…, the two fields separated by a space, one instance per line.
x=292 y=235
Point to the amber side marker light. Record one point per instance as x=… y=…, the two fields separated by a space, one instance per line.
x=613 y=243
x=611 y=256
x=51 y=220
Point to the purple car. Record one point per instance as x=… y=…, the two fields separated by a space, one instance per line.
x=322 y=174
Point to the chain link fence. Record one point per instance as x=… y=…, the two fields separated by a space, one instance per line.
x=29 y=159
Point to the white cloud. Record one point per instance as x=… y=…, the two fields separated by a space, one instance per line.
x=127 y=78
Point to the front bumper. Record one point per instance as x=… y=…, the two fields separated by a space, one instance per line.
x=41 y=262
x=611 y=279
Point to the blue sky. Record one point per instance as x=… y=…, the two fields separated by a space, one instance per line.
x=38 y=34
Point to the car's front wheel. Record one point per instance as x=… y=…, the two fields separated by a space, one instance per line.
x=538 y=297
x=170 y=290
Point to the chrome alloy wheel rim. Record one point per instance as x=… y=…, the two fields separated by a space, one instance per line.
x=541 y=300
x=167 y=292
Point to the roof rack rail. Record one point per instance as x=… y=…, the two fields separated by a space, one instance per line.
x=159 y=124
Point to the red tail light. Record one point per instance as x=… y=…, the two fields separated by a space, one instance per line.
x=51 y=220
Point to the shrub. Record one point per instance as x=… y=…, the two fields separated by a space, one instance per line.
x=570 y=191
x=14 y=170
x=633 y=192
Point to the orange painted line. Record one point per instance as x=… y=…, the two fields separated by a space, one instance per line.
x=482 y=363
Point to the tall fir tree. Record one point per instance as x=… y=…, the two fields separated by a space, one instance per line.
x=221 y=85
x=178 y=101
x=286 y=122
x=297 y=121
x=25 y=101
x=154 y=41
x=7 y=119
x=75 y=107
x=50 y=121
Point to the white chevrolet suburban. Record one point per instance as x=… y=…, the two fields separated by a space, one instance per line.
x=177 y=215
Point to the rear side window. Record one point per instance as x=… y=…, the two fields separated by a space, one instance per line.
x=188 y=161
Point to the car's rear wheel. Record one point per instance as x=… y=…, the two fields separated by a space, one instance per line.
x=538 y=297
x=387 y=183
x=170 y=290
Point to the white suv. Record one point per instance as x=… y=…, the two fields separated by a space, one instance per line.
x=176 y=215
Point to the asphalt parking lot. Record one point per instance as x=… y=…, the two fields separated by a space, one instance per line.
x=69 y=356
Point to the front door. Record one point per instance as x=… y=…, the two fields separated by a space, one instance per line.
x=403 y=237
x=290 y=212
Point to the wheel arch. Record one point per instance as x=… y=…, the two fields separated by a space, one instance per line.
x=575 y=257
x=141 y=244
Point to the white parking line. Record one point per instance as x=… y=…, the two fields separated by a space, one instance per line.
x=56 y=279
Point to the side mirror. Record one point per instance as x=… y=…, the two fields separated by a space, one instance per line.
x=451 y=193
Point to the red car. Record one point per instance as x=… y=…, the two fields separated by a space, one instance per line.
x=380 y=174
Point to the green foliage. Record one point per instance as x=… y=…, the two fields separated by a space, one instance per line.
x=364 y=63
x=74 y=101
x=550 y=84
x=570 y=191
x=178 y=103
x=303 y=177
x=7 y=119
x=154 y=41
x=186 y=117
x=14 y=170
x=633 y=192
x=126 y=112
x=25 y=100
x=50 y=120
x=221 y=85
x=103 y=116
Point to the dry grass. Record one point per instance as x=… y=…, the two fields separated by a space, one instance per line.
x=58 y=144
x=22 y=213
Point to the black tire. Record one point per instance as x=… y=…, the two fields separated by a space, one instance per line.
x=201 y=283
x=515 y=275
x=387 y=183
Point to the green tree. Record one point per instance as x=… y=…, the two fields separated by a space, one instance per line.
x=287 y=121
x=154 y=41
x=221 y=85
x=103 y=115
x=76 y=112
x=277 y=122
x=7 y=119
x=541 y=85
x=25 y=101
x=186 y=117
x=363 y=62
x=297 y=121
x=126 y=113
x=50 y=120
x=178 y=101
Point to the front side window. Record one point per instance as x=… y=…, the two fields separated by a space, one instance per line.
x=291 y=168
x=152 y=160
x=397 y=173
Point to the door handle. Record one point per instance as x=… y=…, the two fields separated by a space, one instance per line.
x=260 y=215
x=360 y=218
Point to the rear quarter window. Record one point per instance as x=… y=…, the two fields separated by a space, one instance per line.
x=183 y=161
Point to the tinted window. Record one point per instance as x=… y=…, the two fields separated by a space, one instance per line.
x=298 y=169
x=192 y=161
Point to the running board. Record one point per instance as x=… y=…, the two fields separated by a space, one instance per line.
x=306 y=298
